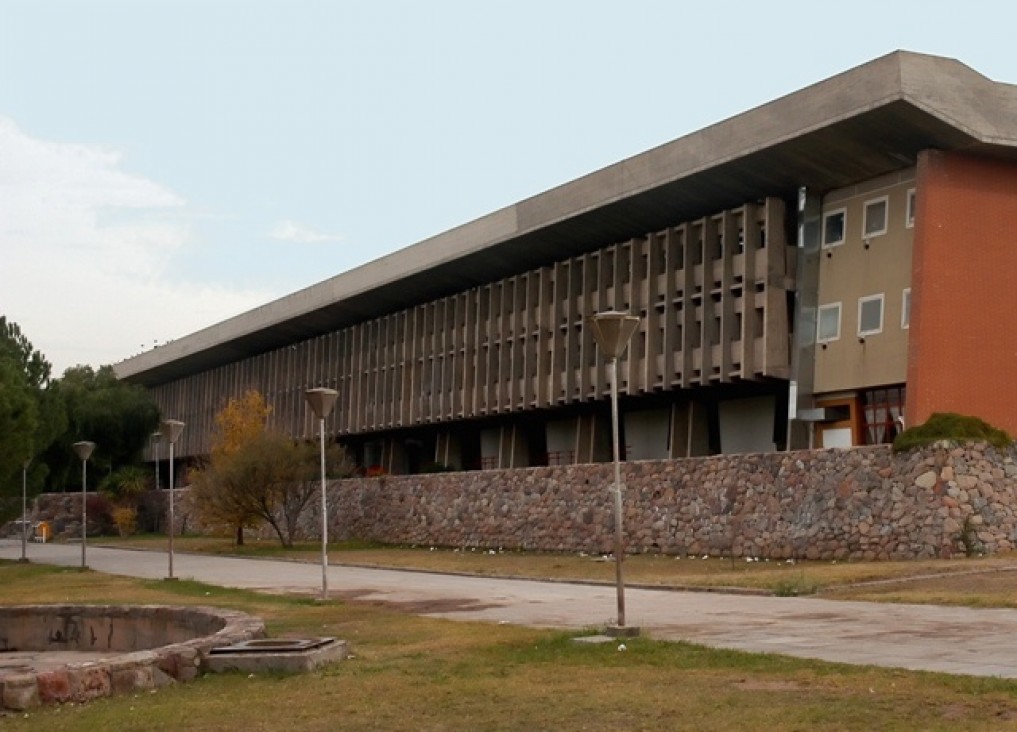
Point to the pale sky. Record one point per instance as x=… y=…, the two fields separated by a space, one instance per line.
x=165 y=165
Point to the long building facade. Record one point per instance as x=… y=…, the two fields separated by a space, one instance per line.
x=816 y=272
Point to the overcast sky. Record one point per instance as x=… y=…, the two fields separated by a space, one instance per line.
x=167 y=165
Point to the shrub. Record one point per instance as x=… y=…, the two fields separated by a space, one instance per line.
x=953 y=427
x=795 y=587
x=126 y=519
x=124 y=485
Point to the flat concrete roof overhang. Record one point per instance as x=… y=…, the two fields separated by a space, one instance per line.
x=860 y=124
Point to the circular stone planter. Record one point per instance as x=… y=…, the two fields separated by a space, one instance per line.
x=129 y=647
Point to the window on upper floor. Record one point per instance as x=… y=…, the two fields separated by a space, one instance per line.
x=870 y=315
x=905 y=309
x=833 y=227
x=909 y=214
x=828 y=323
x=874 y=217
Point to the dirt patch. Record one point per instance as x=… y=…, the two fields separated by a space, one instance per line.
x=760 y=685
x=436 y=606
x=960 y=712
x=996 y=588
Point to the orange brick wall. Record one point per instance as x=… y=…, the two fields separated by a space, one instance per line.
x=962 y=346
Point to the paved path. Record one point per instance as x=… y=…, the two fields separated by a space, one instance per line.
x=921 y=637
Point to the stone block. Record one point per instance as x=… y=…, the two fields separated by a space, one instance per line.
x=126 y=680
x=54 y=686
x=20 y=692
x=89 y=682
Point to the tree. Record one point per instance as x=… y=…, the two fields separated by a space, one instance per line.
x=118 y=417
x=41 y=417
x=242 y=420
x=15 y=345
x=31 y=417
x=254 y=474
x=18 y=419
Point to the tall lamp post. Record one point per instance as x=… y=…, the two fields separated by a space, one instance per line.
x=171 y=429
x=156 y=436
x=612 y=331
x=84 y=451
x=24 y=509
x=322 y=401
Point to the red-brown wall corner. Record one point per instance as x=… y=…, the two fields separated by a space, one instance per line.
x=962 y=345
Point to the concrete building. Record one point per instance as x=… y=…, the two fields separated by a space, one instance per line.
x=815 y=271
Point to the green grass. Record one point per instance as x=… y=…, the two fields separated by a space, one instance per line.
x=412 y=673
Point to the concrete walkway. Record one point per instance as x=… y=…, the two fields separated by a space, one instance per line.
x=920 y=637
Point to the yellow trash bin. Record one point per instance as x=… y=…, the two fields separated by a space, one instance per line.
x=42 y=531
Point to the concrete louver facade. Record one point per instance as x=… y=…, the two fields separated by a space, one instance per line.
x=774 y=259
x=712 y=294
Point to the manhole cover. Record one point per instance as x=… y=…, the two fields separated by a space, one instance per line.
x=280 y=645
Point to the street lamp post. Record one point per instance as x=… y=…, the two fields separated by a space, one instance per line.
x=156 y=436
x=24 y=509
x=84 y=451
x=612 y=331
x=171 y=429
x=322 y=401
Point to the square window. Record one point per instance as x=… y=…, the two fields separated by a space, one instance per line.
x=905 y=309
x=833 y=228
x=874 y=217
x=870 y=315
x=828 y=323
x=909 y=216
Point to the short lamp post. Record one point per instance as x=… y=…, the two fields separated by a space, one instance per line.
x=171 y=429
x=24 y=509
x=612 y=331
x=84 y=451
x=322 y=401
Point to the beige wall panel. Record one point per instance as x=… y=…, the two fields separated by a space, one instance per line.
x=638 y=305
x=865 y=266
x=505 y=346
x=570 y=365
x=729 y=226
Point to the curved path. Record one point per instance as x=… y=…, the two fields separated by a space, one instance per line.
x=920 y=637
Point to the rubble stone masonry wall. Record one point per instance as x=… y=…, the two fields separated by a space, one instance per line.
x=862 y=503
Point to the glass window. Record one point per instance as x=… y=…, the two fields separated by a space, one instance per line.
x=828 y=323
x=909 y=220
x=874 y=217
x=882 y=414
x=833 y=228
x=905 y=309
x=870 y=315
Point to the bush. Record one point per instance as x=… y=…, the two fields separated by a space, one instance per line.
x=124 y=485
x=952 y=427
x=795 y=587
x=126 y=520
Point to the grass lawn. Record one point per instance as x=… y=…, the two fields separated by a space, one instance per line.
x=411 y=673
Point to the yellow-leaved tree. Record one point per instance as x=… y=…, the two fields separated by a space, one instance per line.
x=243 y=420
x=256 y=474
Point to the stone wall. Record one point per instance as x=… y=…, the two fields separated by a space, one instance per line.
x=62 y=511
x=862 y=503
